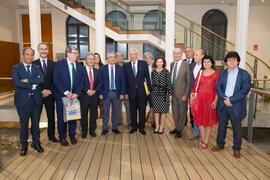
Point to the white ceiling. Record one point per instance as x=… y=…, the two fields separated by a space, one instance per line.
x=18 y=4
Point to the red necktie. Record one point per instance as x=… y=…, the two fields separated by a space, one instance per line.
x=91 y=79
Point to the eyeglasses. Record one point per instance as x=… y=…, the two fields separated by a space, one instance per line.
x=74 y=53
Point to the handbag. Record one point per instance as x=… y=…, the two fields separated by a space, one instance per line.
x=71 y=109
x=195 y=104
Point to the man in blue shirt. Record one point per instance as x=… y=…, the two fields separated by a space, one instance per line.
x=232 y=88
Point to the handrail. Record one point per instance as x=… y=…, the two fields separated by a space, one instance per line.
x=5 y=78
x=260 y=79
x=267 y=93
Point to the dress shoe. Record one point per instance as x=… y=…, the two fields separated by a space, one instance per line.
x=53 y=139
x=132 y=131
x=84 y=134
x=63 y=142
x=217 y=148
x=156 y=131
x=104 y=132
x=173 y=131
x=116 y=131
x=73 y=140
x=236 y=154
x=23 y=151
x=38 y=148
x=178 y=135
x=142 y=131
x=93 y=134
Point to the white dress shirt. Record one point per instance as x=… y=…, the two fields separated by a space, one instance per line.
x=41 y=62
x=34 y=86
x=109 y=69
x=177 y=68
x=189 y=61
x=70 y=73
x=196 y=69
x=150 y=70
x=136 y=65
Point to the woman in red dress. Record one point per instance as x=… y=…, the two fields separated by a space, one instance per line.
x=205 y=117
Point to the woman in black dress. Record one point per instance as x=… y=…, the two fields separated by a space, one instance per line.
x=161 y=92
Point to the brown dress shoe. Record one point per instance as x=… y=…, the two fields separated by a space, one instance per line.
x=217 y=148
x=63 y=142
x=236 y=154
x=73 y=140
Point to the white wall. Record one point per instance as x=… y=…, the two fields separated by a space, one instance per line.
x=8 y=25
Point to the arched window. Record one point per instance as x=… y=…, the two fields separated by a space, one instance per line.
x=78 y=35
x=114 y=46
x=154 y=20
x=216 y=21
x=118 y=18
x=152 y=49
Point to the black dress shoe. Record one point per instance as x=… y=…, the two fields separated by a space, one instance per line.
x=116 y=131
x=132 y=131
x=38 y=148
x=84 y=134
x=53 y=139
x=93 y=134
x=178 y=135
x=156 y=132
x=73 y=140
x=23 y=151
x=173 y=131
x=63 y=142
x=142 y=131
x=104 y=132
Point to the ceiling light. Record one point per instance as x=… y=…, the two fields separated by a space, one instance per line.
x=222 y=2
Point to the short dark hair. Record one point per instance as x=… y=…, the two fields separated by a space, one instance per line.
x=100 y=62
x=210 y=58
x=163 y=59
x=43 y=43
x=232 y=54
x=24 y=49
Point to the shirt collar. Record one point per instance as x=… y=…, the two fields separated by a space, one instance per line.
x=111 y=65
x=134 y=62
x=69 y=62
x=41 y=60
x=234 y=71
x=25 y=65
x=89 y=68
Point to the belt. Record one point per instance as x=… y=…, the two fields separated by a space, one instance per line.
x=112 y=90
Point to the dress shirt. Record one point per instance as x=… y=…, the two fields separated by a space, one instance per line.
x=41 y=62
x=177 y=68
x=109 y=69
x=189 y=61
x=150 y=70
x=34 y=86
x=92 y=72
x=70 y=73
x=231 y=81
x=136 y=65
x=196 y=69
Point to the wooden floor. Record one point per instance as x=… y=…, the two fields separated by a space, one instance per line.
x=139 y=157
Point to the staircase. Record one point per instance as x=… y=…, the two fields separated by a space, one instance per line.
x=187 y=32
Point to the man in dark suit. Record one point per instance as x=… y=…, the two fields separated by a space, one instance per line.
x=232 y=88
x=112 y=91
x=195 y=68
x=89 y=96
x=47 y=67
x=26 y=78
x=68 y=82
x=136 y=73
x=180 y=75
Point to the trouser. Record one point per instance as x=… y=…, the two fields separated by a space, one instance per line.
x=179 y=110
x=92 y=105
x=120 y=116
x=113 y=100
x=50 y=108
x=140 y=105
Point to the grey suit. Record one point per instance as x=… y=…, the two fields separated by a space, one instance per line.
x=180 y=89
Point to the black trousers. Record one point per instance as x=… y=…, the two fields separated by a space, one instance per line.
x=140 y=105
x=92 y=106
x=50 y=111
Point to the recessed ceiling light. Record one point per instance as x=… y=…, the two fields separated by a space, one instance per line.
x=222 y=2
x=45 y=6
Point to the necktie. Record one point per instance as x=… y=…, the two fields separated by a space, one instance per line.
x=91 y=79
x=134 y=69
x=112 y=79
x=28 y=70
x=174 y=72
x=73 y=77
x=44 y=67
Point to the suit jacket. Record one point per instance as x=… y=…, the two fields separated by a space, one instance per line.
x=191 y=61
x=48 y=81
x=23 y=89
x=84 y=97
x=105 y=81
x=182 y=82
x=238 y=100
x=134 y=84
x=62 y=80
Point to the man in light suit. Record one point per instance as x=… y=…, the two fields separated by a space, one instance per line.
x=26 y=78
x=136 y=73
x=112 y=91
x=180 y=75
x=47 y=67
x=68 y=82
x=232 y=88
x=89 y=96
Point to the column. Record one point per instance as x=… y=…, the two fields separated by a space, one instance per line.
x=170 y=20
x=35 y=24
x=100 y=26
x=242 y=30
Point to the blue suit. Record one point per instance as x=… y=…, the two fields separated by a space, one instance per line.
x=28 y=102
x=62 y=82
x=237 y=112
x=111 y=96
